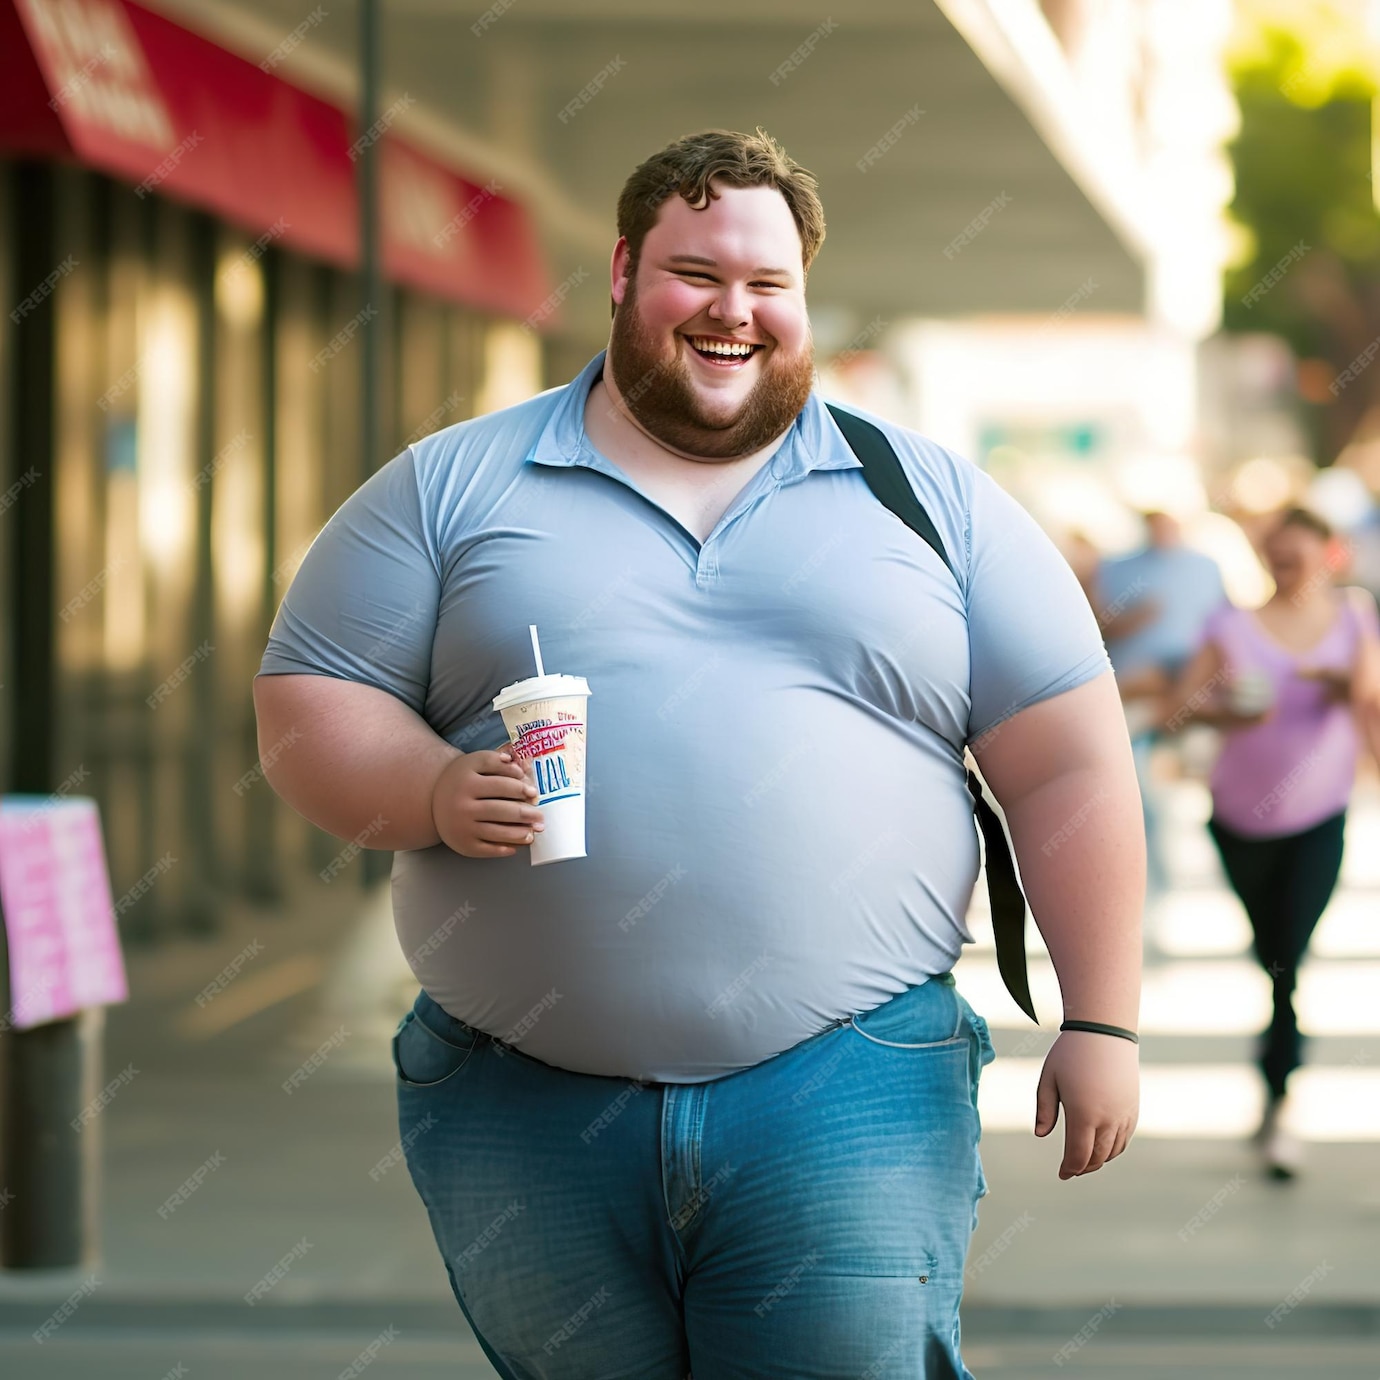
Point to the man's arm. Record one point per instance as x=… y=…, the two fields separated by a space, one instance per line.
x=347 y=756
x=1063 y=773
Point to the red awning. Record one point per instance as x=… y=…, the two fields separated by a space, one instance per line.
x=123 y=89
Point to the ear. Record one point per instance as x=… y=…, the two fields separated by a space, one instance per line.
x=619 y=268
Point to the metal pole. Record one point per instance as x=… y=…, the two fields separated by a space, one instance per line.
x=48 y=1169
x=376 y=864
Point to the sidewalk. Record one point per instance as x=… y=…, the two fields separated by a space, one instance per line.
x=1170 y=1258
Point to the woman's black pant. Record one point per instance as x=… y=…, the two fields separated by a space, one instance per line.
x=1285 y=884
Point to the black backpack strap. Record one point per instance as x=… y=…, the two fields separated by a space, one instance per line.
x=887 y=479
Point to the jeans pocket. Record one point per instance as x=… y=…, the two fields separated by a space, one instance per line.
x=929 y=1016
x=424 y=1059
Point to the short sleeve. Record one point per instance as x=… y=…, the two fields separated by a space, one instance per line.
x=363 y=605
x=1031 y=631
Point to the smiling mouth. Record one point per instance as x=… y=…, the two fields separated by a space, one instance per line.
x=722 y=353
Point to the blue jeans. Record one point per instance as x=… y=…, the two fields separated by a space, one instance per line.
x=807 y=1217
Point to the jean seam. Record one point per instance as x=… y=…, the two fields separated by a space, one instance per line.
x=892 y=1044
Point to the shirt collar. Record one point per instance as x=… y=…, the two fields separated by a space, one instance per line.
x=814 y=442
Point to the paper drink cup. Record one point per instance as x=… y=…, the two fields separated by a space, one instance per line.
x=545 y=719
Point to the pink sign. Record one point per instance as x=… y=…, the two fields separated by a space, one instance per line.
x=64 y=949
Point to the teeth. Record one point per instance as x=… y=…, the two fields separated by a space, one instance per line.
x=719 y=347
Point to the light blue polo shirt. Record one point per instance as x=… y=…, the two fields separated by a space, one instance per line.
x=779 y=830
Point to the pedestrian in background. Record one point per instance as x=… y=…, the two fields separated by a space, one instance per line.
x=1152 y=606
x=1294 y=687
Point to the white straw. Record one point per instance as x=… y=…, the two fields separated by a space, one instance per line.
x=536 y=648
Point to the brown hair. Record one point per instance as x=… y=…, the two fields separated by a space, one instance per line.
x=1307 y=519
x=688 y=167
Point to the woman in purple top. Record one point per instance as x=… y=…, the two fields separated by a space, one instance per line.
x=1294 y=684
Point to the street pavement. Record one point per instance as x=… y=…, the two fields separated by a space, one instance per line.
x=269 y=1104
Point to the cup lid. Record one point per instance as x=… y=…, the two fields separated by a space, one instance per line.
x=540 y=687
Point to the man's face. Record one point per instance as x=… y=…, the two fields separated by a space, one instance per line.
x=708 y=284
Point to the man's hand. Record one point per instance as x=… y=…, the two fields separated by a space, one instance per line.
x=1096 y=1078
x=482 y=805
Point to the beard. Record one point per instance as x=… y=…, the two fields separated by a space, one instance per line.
x=661 y=396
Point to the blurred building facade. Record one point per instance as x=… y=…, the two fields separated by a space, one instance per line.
x=180 y=412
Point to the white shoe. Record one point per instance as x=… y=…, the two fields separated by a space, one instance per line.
x=1283 y=1154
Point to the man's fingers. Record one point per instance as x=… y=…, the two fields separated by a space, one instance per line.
x=1103 y=1142
x=1078 y=1149
x=1046 y=1103
x=1123 y=1137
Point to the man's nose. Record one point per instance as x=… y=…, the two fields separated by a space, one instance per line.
x=730 y=306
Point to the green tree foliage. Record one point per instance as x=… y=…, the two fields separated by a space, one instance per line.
x=1304 y=200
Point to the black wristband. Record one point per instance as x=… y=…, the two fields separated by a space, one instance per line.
x=1098 y=1028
